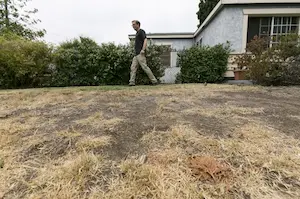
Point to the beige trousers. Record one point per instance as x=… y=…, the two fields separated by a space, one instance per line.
x=140 y=60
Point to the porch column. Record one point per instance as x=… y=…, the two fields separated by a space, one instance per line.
x=245 y=32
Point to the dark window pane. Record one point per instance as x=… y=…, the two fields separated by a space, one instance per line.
x=166 y=58
x=295 y=20
x=277 y=20
x=286 y=20
x=265 y=30
x=285 y=29
x=266 y=21
x=276 y=29
x=253 y=28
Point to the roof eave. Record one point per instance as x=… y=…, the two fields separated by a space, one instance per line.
x=166 y=36
x=209 y=17
x=257 y=1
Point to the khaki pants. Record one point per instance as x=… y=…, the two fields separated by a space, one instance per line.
x=140 y=60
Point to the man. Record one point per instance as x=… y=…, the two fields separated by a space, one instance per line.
x=140 y=57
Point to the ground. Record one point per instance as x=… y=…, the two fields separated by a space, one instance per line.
x=163 y=142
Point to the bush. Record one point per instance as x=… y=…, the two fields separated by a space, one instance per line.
x=83 y=63
x=23 y=63
x=203 y=64
x=278 y=65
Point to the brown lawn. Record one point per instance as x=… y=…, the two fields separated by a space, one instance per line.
x=164 y=142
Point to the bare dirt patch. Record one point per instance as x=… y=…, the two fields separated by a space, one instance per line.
x=121 y=142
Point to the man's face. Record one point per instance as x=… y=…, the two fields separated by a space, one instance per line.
x=135 y=26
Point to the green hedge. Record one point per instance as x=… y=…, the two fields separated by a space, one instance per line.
x=23 y=63
x=80 y=62
x=83 y=62
x=203 y=64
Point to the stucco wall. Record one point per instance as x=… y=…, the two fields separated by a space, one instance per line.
x=227 y=25
x=177 y=44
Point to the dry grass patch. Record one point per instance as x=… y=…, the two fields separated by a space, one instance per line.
x=91 y=143
x=295 y=116
x=259 y=161
x=263 y=162
x=224 y=111
x=69 y=133
x=98 y=121
x=72 y=178
x=150 y=181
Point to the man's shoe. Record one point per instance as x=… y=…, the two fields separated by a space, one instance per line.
x=155 y=84
x=131 y=84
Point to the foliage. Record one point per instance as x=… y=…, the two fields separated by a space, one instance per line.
x=82 y=62
x=276 y=65
x=203 y=64
x=205 y=7
x=154 y=62
x=14 y=18
x=23 y=63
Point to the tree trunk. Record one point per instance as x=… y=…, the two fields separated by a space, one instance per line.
x=6 y=13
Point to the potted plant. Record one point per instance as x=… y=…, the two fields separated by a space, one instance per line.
x=240 y=73
x=241 y=70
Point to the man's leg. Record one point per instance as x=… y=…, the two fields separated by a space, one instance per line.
x=142 y=61
x=133 y=68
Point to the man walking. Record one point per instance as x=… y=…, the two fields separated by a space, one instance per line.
x=140 y=57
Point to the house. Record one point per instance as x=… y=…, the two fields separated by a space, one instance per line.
x=236 y=21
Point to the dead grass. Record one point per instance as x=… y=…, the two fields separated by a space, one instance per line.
x=91 y=143
x=61 y=143
x=224 y=111
x=70 y=179
x=253 y=153
x=98 y=121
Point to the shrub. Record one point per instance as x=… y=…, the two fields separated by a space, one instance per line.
x=78 y=63
x=203 y=64
x=83 y=62
x=23 y=63
x=278 y=65
x=154 y=62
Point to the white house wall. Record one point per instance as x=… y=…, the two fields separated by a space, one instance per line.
x=176 y=45
x=227 y=25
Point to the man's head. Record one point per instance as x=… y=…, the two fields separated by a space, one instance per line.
x=136 y=25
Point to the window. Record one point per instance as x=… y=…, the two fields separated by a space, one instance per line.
x=272 y=27
x=283 y=26
x=166 y=57
x=199 y=43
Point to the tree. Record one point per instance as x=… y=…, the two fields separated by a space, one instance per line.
x=15 y=18
x=205 y=7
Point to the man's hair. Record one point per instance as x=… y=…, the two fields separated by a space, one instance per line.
x=137 y=22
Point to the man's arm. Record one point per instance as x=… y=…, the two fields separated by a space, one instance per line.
x=145 y=44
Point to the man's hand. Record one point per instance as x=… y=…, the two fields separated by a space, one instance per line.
x=142 y=52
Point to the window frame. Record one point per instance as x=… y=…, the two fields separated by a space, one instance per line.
x=170 y=44
x=264 y=12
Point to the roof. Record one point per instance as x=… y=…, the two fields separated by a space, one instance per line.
x=214 y=12
x=257 y=1
x=174 y=35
